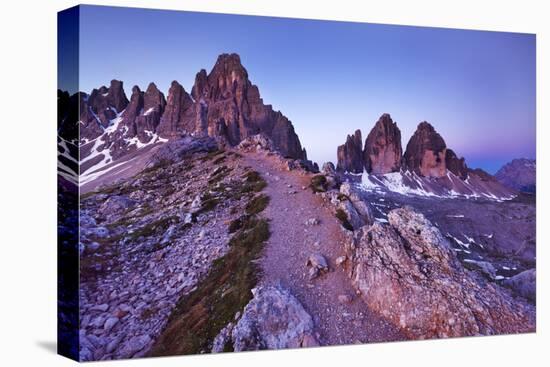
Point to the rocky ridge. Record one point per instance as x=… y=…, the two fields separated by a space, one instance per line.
x=426 y=168
x=223 y=104
x=147 y=241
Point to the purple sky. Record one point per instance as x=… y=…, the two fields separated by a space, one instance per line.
x=330 y=78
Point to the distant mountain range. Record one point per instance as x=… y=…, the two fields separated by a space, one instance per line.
x=426 y=168
x=519 y=174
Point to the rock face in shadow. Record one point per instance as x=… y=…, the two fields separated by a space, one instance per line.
x=383 y=150
x=524 y=284
x=350 y=154
x=519 y=174
x=456 y=165
x=178 y=115
x=426 y=152
x=99 y=108
x=408 y=272
x=147 y=121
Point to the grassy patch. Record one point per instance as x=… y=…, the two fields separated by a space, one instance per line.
x=208 y=205
x=253 y=182
x=147 y=313
x=257 y=205
x=343 y=218
x=318 y=183
x=212 y=155
x=238 y=223
x=200 y=315
x=252 y=176
x=151 y=228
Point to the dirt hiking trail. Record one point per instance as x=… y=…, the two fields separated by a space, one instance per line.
x=292 y=241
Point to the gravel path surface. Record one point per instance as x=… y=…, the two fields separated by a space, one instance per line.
x=337 y=320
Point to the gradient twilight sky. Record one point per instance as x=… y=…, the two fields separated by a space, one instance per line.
x=329 y=78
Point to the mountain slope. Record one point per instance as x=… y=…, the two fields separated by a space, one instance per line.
x=519 y=174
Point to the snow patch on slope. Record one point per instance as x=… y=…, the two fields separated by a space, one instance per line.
x=409 y=183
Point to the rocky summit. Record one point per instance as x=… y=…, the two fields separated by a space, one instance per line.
x=229 y=106
x=426 y=152
x=350 y=154
x=223 y=104
x=383 y=150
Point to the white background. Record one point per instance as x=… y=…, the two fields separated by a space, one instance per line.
x=28 y=180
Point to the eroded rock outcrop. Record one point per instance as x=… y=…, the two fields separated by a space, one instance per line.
x=383 y=150
x=229 y=106
x=147 y=121
x=408 y=272
x=524 y=284
x=456 y=165
x=426 y=152
x=273 y=319
x=178 y=116
x=100 y=107
x=225 y=106
x=350 y=154
x=353 y=195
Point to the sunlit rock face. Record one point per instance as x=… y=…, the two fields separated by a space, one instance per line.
x=383 y=150
x=426 y=152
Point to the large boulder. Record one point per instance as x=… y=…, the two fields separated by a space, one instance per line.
x=348 y=215
x=353 y=194
x=524 y=284
x=273 y=319
x=383 y=150
x=258 y=142
x=408 y=272
x=175 y=150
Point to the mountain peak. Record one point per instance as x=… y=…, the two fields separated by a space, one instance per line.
x=426 y=152
x=350 y=154
x=229 y=58
x=229 y=66
x=383 y=149
x=152 y=87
